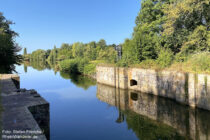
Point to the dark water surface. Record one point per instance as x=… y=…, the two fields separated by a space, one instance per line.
x=80 y=109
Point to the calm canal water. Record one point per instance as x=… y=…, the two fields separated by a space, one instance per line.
x=81 y=109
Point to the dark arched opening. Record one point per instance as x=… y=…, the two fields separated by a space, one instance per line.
x=133 y=82
x=134 y=96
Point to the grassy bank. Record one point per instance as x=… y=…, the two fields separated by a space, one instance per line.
x=194 y=63
x=79 y=66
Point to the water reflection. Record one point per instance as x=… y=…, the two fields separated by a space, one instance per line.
x=152 y=117
x=79 y=80
x=38 y=65
x=148 y=116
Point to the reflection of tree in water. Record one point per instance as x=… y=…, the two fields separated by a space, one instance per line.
x=25 y=68
x=82 y=81
x=147 y=129
x=53 y=65
x=79 y=80
x=120 y=118
x=153 y=117
x=65 y=75
x=38 y=65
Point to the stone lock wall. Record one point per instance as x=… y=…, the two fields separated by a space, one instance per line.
x=113 y=76
x=187 y=88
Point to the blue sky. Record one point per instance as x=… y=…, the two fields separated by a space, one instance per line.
x=41 y=24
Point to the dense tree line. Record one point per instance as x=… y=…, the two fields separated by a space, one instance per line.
x=90 y=51
x=169 y=30
x=8 y=47
x=77 y=57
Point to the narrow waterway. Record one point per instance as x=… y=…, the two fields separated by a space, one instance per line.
x=81 y=109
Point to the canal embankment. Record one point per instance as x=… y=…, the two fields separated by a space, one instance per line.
x=186 y=88
x=25 y=113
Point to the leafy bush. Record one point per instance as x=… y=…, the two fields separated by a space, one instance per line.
x=89 y=69
x=165 y=58
x=81 y=64
x=69 y=65
x=122 y=63
x=73 y=65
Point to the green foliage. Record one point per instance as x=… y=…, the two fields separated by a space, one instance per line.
x=53 y=54
x=199 y=62
x=130 y=53
x=89 y=69
x=8 y=47
x=38 y=65
x=82 y=81
x=197 y=41
x=69 y=65
x=186 y=29
x=73 y=65
x=109 y=55
x=146 y=39
x=181 y=26
x=64 y=52
x=25 y=52
x=79 y=80
x=149 y=63
x=81 y=64
x=26 y=57
x=147 y=129
x=78 y=49
x=78 y=57
x=102 y=44
x=165 y=58
x=38 y=55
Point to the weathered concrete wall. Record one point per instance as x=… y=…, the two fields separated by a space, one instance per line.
x=23 y=110
x=14 y=77
x=113 y=76
x=192 y=123
x=41 y=114
x=186 y=88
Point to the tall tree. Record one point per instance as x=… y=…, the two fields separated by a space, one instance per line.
x=145 y=42
x=78 y=49
x=25 y=52
x=102 y=44
x=8 y=47
x=187 y=26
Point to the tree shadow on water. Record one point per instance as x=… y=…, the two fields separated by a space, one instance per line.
x=79 y=80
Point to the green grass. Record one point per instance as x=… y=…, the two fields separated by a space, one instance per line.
x=195 y=63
